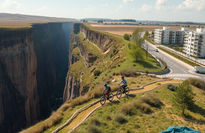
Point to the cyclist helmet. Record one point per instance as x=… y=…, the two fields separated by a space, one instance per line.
x=105 y=84
x=122 y=77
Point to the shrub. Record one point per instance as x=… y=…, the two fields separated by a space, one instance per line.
x=130 y=73
x=184 y=97
x=152 y=101
x=128 y=109
x=97 y=73
x=120 y=119
x=93 y=129
x=108 y=118
x=197 y=83
x=143 y=106
x=79 y=100
x=95 y=122
x=171 y=87
x=96 y=92
x=126 y=37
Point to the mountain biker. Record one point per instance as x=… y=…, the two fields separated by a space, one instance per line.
x=124 y=83
x=107 y=90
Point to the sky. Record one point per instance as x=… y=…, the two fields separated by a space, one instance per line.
x=157 y=10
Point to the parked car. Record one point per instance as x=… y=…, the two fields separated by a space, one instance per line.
x=156 y=50
x=199 y=69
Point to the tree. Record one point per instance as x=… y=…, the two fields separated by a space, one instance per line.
x=137 y=36
x=146 y=35
x=135 y=52
x=184 y=97
x=126 y=37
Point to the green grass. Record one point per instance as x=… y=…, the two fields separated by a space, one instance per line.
x=179 y=57
x=158 y=120
x=177 y=48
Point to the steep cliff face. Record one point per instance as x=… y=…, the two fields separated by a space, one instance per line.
x=74 y=86
x=96 y=37
x=33 y=67
x=19 y=100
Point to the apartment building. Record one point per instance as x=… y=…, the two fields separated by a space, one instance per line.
x=194 y=43
x=168 y=36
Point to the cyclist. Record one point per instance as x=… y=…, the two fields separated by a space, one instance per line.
x=107 y=91
x=124 y=83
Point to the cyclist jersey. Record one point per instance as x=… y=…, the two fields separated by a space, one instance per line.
x=108 y=88
x=124 y=82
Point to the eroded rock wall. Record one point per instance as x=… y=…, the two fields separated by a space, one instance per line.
x=73 y=88
x=33 y=68
x=19 y=99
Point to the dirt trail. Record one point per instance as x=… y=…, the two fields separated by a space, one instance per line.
x=81 y=117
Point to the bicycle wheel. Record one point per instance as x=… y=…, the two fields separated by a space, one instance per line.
x=102 y=100
x=127 y=91
x=111 y=97
x=119 y=93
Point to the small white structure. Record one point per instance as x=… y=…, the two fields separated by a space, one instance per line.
x=168 y=36
x=194 y=43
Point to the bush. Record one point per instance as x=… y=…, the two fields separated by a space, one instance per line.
x=152 y=101
x=120 y=119
x=95 y=122
x=93 y=129
x=79 y=100
x=126 y=37
x=184 y=97
x=130 y=73
x=97 y=73
x=97 y=92
x=143 y=106
x=128 y=109
x=171 y=87
x=197 y=83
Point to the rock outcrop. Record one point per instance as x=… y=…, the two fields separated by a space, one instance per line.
x=33 y=67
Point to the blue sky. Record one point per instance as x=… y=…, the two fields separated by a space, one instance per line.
x=166 y=10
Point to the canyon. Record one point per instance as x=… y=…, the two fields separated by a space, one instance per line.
x=33 y=69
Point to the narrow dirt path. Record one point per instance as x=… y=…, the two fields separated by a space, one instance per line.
x=81 y=117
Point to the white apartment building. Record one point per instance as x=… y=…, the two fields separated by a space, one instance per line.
x=168 y=36
x=194 y=43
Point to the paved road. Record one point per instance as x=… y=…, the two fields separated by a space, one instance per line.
x=179 y=69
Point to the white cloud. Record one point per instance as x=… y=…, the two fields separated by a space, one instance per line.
x=127 y=1
x=192 y=4
x=10 y=4
x=145 y=8
x=160 y=4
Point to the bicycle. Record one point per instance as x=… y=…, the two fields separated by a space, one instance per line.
x=104 y=98
x=122 y=91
